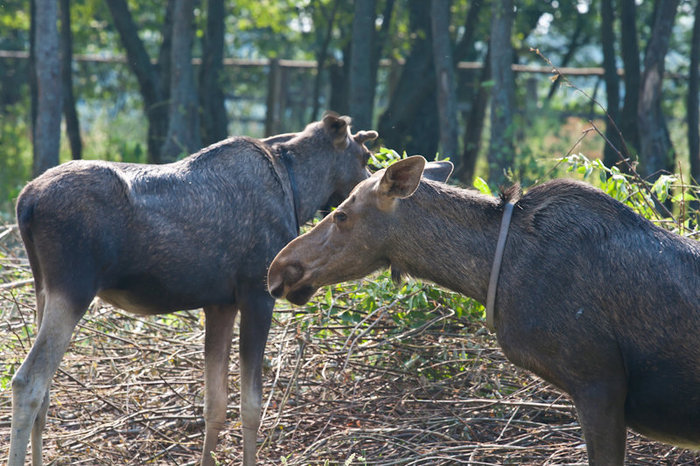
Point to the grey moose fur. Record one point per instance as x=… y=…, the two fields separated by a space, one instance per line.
x=153 y=239
x=592 y=297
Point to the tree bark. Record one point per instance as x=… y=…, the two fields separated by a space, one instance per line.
x=612 y=83
x=571 y=50
x=410 y=121
x=33 y=91
x=379 y=41
x=444 y=77
x=183 y=124
x=69 y=112
x=630 y=59
x=465 y=47
x=361 y=96
x=475 y=127
x=321 y=56
x=153 y=94
x=47 y=134
x=501 y=149
x=656 y=149
x=214 y=119
x=693 y=106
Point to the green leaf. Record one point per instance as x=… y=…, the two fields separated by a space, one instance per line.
x=482 y=186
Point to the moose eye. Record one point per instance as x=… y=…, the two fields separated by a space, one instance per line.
x=340 y=216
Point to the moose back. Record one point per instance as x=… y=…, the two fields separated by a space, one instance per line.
x=154 y=239
x=591 y=297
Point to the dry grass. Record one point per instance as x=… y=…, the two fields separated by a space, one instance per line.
x=129 y=392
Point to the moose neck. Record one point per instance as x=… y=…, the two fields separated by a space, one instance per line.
x=448 y=236
x=313 y=183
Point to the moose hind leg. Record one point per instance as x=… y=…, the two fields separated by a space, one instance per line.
x=217 y=349
x=38 y=429
x=256 y=315
x=30 y=384
x=601 y=410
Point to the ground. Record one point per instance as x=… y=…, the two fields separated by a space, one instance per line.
x=336 y=390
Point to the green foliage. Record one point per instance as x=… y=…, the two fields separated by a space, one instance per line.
x=643 y=197
x=408 y=305
x=15 y=161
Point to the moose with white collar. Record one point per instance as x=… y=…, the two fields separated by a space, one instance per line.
x=154 y=239
x=590 y=296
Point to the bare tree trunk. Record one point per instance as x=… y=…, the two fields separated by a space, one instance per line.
x=656 y=149
x=475 y=127
x=153 y=93
x=501 y=149
x=693 y=108
x=379 y=41
x=339 y=77
x=571 y=50
x=465 y=46
x=361 y=97
x=612 y=82
x=33 y=91
x=183 y=125
x=214 y=119
x=321 y=56
x=69 y=112
x=410 y=121
x=630 y=58
x=444 y=77
x=47 y=134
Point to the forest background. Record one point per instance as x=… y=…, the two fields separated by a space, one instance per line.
x=470 y=80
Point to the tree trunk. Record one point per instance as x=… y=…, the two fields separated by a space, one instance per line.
x=574 y=44
x=69 y=112
x=612 y=83
x=321 y=56
x=475 y=126
x=656 y=149
x=501 y=149
x=693 y=108
x=183 y=123
x=340 y=82
x=410 y=121
x=214 y=119
x=361 y=96
x=465 y=47
x=47 y=134
x=379 y=41
x=33 y=91
x=153 y=94
x=444 y=77
x=630 y=59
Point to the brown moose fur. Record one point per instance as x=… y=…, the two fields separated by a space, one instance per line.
x=153 y=239
x=592 y=297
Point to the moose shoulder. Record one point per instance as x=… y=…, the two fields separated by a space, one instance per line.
x=591 y=297
x=153 y=239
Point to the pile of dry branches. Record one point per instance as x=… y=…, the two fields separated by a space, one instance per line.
x=129 y=391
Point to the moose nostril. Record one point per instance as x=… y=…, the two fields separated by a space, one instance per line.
x=277 y=291
x=292 y=273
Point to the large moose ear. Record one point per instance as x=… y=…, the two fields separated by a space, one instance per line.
x=401 y=179
x=337 y=128
x=438 y=171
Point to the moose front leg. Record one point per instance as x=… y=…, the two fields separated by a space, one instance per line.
x=256 y=315
x=217 y=350
x=601 y=411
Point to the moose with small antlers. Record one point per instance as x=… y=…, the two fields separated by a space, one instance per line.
x=590 y=296
x=154 y=239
